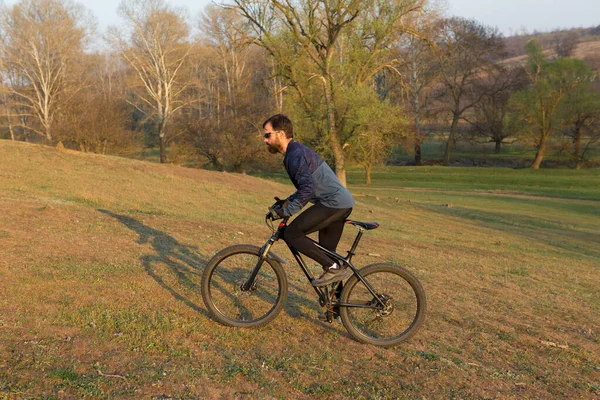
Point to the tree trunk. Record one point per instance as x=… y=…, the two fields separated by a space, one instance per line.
x=161 y=140
x=416 y=108
x=11 y=130
x=334 y=136
x=577 y=148
x=418 y=157
x=498 y=144
x=163 y=150
x=214 y=161
x=48 y=136
x=450 y=139
x=367 y=174
x=539 y=156
x=418 y=135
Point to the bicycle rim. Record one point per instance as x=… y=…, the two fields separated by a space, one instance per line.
x=235 y=307
x=404 y=310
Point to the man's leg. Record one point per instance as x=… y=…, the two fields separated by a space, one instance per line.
x=316 y=218
x=330 y=236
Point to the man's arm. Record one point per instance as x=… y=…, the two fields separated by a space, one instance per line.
x=299 y=171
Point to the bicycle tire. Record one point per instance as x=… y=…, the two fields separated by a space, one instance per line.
x=222 y=294
x=404 y=295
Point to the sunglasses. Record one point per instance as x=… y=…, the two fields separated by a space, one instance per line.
x=268 y=134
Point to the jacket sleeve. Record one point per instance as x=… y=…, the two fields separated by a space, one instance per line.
x=300 y=173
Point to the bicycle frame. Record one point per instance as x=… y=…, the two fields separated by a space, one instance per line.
x=323 y=293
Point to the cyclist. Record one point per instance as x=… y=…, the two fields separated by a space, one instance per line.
x=315 y=182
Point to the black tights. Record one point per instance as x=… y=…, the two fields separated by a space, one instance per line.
x=330 y=224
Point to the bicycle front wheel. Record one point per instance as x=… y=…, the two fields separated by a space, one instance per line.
x=398 y=319
x=224 y=297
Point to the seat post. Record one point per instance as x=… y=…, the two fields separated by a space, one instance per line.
x=352 y=250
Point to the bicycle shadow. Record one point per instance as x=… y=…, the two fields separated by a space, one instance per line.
x=303 y=304
x=185 y=262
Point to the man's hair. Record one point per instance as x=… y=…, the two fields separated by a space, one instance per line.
x=280 y=122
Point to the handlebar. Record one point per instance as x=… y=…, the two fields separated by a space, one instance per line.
x=279 y=204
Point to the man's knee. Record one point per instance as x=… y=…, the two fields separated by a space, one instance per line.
x=290 y=235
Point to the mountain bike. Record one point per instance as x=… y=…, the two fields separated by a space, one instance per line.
x=382 y=304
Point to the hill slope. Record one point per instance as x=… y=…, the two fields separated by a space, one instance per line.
x=102 y=257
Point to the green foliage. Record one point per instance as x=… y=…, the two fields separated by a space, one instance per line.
x=540 y=107
x=376 y=126
x=535 y=55
x=581 y=113
x=322 y=50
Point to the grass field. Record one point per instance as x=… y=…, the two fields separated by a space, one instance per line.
x=515 y=154
x=101 y=260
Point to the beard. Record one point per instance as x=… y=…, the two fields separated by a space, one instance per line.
x=272 y=149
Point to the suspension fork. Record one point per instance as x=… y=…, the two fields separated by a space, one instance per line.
x=262 y=255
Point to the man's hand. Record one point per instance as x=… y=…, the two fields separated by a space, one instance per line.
x=279 y=203
x=275 y=213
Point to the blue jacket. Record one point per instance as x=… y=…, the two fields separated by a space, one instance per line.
x=313 y=179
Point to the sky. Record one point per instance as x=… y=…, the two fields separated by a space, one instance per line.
x=509 y=16
x=513 y=16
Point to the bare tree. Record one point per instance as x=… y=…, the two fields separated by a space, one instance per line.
x=156 y=45
x=225 y=31
x=565 y=43
x=6 y=114
x=467 y=50
x=233 y=76
x=42 y=41
x=489 y=117
x=418 y=76
x=96 y=119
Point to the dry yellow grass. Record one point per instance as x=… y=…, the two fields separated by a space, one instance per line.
x=101 y=259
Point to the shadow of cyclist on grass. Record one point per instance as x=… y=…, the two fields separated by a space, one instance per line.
x=187 y=264
x=184 y=262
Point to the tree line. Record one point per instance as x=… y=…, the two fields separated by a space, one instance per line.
x=358 y=77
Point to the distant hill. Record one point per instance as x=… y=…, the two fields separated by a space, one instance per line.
x=585 y=44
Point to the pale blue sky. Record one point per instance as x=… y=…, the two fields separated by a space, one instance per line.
x=510 y=16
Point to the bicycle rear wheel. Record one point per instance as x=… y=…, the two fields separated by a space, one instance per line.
x=222 y=287
x=404 y=311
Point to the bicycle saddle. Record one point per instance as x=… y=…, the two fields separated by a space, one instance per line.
x=365 y=225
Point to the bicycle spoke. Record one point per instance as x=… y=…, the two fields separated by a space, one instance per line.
x=229 y=302
x=401 y=310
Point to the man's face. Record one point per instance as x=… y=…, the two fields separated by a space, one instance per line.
x=273 y=139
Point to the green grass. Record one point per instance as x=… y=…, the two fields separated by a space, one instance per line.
x=103 y=257
x=559 y=183
x=511 y=154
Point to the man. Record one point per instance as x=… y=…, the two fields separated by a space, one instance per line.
x=315 y=182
